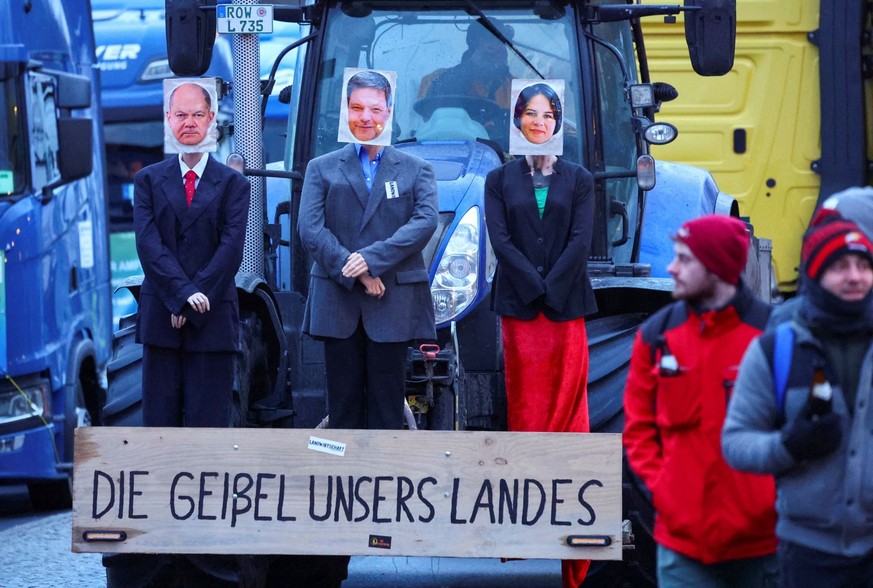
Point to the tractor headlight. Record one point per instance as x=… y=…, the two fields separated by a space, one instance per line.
x=660 y=133
x=456 y=281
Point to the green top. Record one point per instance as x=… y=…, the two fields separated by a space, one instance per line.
x=541 y=194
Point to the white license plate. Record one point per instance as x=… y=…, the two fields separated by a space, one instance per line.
x=244 y=19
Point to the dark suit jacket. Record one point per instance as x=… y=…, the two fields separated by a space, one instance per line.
x=337 y=217
x=185 y=249
x=542 y=263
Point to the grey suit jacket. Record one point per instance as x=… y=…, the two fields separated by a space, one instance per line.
x=338 y=217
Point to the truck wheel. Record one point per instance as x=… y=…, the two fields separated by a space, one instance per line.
x=484 y=397
x=125 y=379
x=51 y=495
x=449 y=410
x=639 y=564
x=251 y=380
x=637 y=568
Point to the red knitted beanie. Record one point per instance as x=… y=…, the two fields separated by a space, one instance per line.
x=720 y=242
x=830 y=238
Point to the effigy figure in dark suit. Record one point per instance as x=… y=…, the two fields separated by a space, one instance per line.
x=190 y=216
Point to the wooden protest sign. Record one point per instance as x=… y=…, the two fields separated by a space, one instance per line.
x=333 y=491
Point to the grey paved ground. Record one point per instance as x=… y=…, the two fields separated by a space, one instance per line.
x=36 y=554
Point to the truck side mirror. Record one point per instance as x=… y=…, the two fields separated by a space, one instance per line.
x=75 y=153
x=73 y=91
x=710 y=32
x=190 y=35
x=75 y=144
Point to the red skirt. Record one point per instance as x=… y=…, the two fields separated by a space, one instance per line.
x=546 y=366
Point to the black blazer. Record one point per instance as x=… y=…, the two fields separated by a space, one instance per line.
x=185 y=249
x=542 y=263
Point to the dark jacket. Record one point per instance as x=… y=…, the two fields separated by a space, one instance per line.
x=187 y=249
x=673 y=419
x=542 y=263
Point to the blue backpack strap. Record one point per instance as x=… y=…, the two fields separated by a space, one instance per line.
x=782 y=350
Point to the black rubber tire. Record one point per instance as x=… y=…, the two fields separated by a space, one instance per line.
x=446 y=414
x=51 y=495
x=250 y=378
x=58 y=494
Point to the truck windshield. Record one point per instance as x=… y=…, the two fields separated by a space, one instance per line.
x=13 y=149
x=453 y=74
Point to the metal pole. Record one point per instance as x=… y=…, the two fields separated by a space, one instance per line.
x=248 y=140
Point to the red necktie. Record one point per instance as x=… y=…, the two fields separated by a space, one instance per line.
x=190 y=177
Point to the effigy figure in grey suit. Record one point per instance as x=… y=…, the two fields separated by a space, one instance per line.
x=366 y=213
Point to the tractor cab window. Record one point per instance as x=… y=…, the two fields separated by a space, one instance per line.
x=615 y=63
x=454 y=73
x=13 y=143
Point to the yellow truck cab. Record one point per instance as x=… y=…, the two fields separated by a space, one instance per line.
x=788 y=125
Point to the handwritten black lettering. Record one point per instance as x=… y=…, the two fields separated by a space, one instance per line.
x=133 y=493
x=485 y=500
x=378 y=497
x=121 y=495
x=508 y=503
x=242 y=503
x=328 y=497
x=98 y=475
x=556 y=501
x=261 y=495
x=345 y=500
x=201 y=499
x=456 y=484
x=526 y=519
x=592 y=516
x=280 y=515
x=225 y=496
x=359 y=498
x=184 y=499
x=405 y=490
x=430 y=509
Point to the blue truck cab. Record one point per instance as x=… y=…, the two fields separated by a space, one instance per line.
x=55 y=319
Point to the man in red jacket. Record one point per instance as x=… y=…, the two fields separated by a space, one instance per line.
x=714 y=526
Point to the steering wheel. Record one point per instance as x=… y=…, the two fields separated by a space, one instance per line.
x=482 y=110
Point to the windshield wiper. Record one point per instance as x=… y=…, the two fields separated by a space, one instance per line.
x=486 y=22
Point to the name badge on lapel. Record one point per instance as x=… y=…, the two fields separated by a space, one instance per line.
x=391 y=190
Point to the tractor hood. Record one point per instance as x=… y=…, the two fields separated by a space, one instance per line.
x=460 y=168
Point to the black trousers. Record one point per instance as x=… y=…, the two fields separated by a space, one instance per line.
x=186 y=389
x=803 y=567
x=365 y=382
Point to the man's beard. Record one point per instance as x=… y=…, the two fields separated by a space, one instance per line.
x=695 y=292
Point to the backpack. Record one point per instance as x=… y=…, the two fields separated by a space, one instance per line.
x=783 y=347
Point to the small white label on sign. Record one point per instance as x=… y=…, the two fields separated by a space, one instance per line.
x=327 y=446
x=244 y=19
x=86 y=244
x=391 y=190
